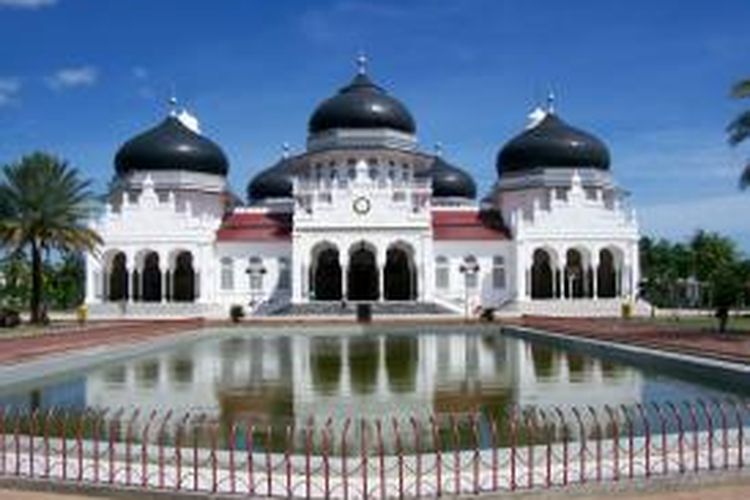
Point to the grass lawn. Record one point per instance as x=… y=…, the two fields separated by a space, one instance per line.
x=707 y=321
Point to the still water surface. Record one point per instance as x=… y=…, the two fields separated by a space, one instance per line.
x=270 y=377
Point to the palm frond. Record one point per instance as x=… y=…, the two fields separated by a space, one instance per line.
x=745 y=177
x=739 y=129
x=741 y=89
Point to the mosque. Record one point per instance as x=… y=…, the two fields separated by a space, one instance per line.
x=364 y=215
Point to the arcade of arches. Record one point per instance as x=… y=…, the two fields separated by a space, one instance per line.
x=149 y=280
x=361 y=277
x=578 y=277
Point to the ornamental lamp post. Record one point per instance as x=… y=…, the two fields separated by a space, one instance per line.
x=469 y=269
x=255 y=271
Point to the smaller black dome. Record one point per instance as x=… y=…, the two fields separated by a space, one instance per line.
x=273 y=182
x=552 y=143
x=449 y=181
x=171 y=146
x=361 y=104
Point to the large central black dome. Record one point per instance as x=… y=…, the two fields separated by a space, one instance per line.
x=552 y=143
x=362 y=105
x=171 y=146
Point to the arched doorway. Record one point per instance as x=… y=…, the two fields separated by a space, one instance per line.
x=541 y=276
x=326 y=275
x=118 y=278
x=399 y=278
x=605 y=275
x=183 y=278
x=362 y=277
x=151 y=291
x=575 y=275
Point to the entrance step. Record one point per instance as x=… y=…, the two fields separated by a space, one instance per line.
x=350 y=309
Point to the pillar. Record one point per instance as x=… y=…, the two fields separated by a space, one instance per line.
x=381 y=282
x=166 y=287
x=344 y=281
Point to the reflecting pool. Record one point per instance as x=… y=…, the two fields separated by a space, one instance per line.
x=273 y=377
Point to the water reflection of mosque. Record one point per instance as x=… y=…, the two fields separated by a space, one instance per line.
x=277 y=379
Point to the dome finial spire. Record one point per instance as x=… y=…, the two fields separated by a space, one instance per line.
x=362 y=63
x=439 y=149
x=172 y=103
x=550 y=102
x=285 y=148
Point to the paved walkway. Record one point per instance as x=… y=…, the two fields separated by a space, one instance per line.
x=679 y=338
x=16 y=349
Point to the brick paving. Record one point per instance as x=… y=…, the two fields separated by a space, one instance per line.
x=94 y=334
x=685 y=339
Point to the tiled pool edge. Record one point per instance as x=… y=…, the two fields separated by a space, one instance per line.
x=700 y=365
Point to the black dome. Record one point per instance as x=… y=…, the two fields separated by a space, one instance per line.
x=552 y=143
x=361 y=104
x=273 y=182
x=449 y=181
x=171 y=146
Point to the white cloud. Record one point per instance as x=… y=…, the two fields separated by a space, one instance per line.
x=9 y=88
x=140 y=73
x=27 y=4
x=82 y=76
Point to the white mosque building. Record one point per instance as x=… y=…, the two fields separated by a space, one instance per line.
x=364 y=215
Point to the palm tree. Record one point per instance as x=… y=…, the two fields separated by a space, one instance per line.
x=45 y=207
x=739 y=128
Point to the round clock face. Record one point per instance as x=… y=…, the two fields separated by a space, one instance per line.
x=361 y=205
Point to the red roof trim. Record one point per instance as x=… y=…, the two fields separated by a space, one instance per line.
x=467 y=225
x=260 y=227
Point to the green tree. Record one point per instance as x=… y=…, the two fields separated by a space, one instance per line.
x=46 y=205
x=739 y=128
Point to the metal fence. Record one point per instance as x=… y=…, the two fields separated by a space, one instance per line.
x=364 y=458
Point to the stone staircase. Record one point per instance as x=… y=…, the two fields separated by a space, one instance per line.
x=154 y=310
x=349 y=309
x=573 y=308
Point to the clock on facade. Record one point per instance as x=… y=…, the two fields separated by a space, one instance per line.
x=361 y=205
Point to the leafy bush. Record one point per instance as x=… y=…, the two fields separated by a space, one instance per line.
x=9 y=318
x=236 y=313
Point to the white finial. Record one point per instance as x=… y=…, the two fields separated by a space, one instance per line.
x=550 y=102
x=362 y=63
x=285 y=148
x=438 y=149
x=172 y=105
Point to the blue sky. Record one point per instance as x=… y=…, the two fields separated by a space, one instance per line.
x=78 y=77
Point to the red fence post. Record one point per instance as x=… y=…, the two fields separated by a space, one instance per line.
x=79 y=445
x=582 y=445
x=663 y=431
x=231 y=445
x=631 y=457
x=740 y=433
x=326 y=435
x=162 y=438
x=344 y=472
x=680 y=436
x=3 y=462
x=598 y=431
x=548 y=444
x=213 y=429
x=287 y=458
x=178 y=451
x=647 y=431
x=98 y=421
x=144 y=449
x=495 y=445
x=456 y=455
x=438 y=456
x=62 y=427
x=381 y=458
x=710 y=424
x=565 y=436
x=694 y=422
x=513 y=424
x=17 y=441
x=249 y=444
x=128 y=445
x=32 y=431
x=308 y=453
x=615 y=443
x=400 y=456
x=473 y=420
x=418 y=458
x=724 y=432
x=532 y=427
x=197 y=425
x=269 y=465
x=363 y=457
